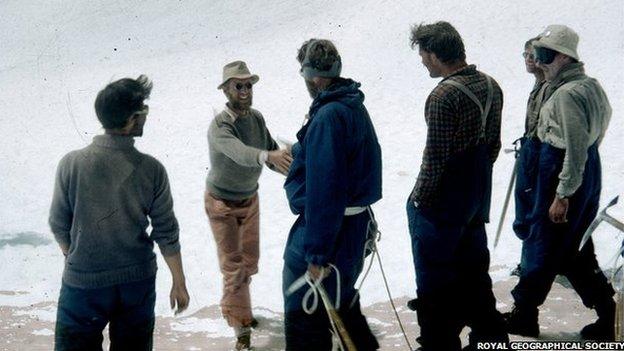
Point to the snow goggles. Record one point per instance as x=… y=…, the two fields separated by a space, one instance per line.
x=545 y=55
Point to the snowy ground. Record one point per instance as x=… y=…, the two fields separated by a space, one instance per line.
x=32 y=327
x=56 y=57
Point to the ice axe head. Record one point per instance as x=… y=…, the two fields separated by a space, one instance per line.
x=599 y=218
x=613 y=202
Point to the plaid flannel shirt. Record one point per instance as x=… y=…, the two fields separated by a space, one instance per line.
x=454 y=125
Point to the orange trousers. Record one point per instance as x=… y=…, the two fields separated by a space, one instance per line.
x=236 y=227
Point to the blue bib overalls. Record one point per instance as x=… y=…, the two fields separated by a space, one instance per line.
x=451 y=257
x=551 y=248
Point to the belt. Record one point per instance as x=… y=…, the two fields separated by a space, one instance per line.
x=352 y=211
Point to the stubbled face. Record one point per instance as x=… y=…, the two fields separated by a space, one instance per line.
x=139 y=122
x=313 y=90
x=529 y=60
x=239 y=93
x=430 y=62
x=552 y=69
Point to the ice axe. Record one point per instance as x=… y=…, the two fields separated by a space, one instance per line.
x=335 y=319
x=515 y=150
x=602 y=216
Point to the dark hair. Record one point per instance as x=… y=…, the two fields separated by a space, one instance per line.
x=440 y=38
x=529 y=42
x=322 y=56
x=120 y=99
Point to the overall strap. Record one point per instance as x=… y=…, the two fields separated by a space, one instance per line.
x=488 y=103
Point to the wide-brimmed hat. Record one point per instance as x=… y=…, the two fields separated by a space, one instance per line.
x=239 y=70
x=559 y=38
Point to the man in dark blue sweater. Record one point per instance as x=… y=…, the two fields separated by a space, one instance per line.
x=105 y=196
x=334 y=178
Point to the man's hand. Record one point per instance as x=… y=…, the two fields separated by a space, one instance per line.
x=64 y=249
x=317 y=272
x=179 y=296
x=280 y=159
x=558 y=212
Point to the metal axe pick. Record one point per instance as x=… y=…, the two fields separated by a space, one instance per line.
x=602 y=216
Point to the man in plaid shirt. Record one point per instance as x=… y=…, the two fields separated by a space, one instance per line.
x=449 y=205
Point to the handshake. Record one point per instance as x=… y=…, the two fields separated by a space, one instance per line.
x=279 y=160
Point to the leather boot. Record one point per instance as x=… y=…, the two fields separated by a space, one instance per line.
x=604 y=328
x=438 y=325
x=522 y=321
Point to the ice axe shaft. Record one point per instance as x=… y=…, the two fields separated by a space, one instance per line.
x=336 y=320
x=507 y=197
x=602 y=216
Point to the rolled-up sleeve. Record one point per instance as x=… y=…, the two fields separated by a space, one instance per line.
x=165 y=229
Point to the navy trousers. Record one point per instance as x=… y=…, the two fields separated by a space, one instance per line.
x=312 y=332
x=83 y=313
x=526 y=181
x=552 y=249
x=453 y=284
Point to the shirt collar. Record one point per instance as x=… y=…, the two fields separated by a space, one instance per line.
x=233 y=115
x=468 y=69
x=230 y=113
x=114 y=141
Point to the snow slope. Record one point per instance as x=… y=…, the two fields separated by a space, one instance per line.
x=56 y=57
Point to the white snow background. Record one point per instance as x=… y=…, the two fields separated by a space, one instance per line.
x=56 y=55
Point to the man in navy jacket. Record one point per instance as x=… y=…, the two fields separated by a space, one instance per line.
x=334 y=177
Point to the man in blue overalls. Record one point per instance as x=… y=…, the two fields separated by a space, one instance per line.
x=571 y=126
x=527 y=158
x=334 y=178
x=450 y=203
x=526 y=164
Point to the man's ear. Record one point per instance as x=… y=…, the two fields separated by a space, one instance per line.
x=433 y=58
x=321 y=82
x=563 y=59
x=316 y=80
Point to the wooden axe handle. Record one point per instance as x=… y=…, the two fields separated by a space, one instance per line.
x=333 y=314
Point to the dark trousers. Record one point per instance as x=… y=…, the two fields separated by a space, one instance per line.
x=552 y=249
x=312 y=332
x=83 y=314
x=526 y=181
x=453 y=284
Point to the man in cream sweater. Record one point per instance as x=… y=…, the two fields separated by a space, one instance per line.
x=239 y=144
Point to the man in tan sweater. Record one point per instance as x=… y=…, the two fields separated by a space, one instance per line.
x=240 y=144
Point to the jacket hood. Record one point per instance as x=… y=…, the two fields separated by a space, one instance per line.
x=345 y=91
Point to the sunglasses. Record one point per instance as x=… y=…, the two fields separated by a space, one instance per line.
x=544 y=55
x=528 y=55
x=143 y=111
x=240 y=86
